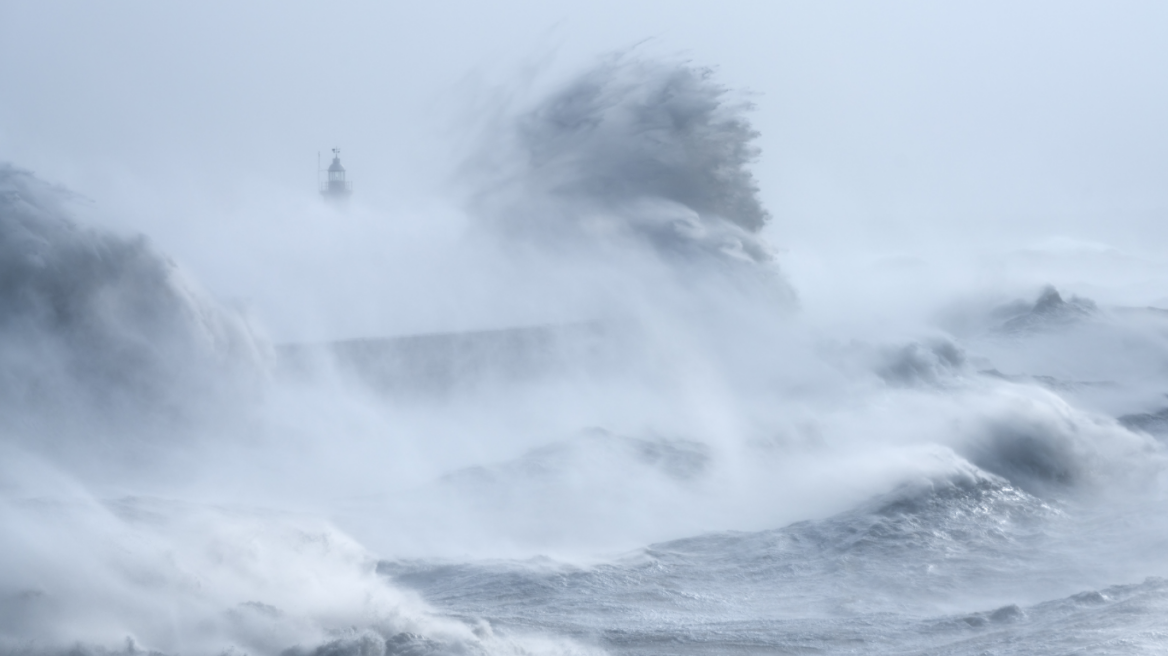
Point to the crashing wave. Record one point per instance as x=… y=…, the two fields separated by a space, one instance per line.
x=169 y=578
x=1050 y=312
x=633 y=152
x=95 y=319
x=923 y=545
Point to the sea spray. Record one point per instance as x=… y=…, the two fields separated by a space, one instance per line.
x=798 y=490
x=631 y=153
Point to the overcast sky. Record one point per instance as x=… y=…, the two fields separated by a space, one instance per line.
x=882 y=122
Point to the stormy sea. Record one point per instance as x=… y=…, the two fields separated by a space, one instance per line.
x=681 y=448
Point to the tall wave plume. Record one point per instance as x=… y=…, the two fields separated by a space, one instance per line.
x=631 y=152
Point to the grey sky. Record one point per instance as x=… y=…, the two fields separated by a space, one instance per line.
x=883 y=123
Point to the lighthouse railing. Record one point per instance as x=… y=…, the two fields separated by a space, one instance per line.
x=333 y=186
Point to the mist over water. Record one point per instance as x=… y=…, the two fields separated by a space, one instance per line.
x=669 y=448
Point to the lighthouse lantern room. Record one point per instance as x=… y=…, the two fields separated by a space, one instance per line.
x=336 y=188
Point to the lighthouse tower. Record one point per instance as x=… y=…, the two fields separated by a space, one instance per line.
x=336 y=188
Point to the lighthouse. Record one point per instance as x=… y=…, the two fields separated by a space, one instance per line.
x=336 y=188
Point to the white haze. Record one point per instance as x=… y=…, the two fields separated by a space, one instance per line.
x=791 y=322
